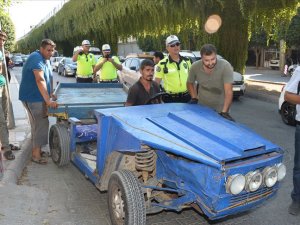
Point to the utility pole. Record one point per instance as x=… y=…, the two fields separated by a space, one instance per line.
x=11 y=118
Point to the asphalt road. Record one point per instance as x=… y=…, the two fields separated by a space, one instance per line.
x=71 y=199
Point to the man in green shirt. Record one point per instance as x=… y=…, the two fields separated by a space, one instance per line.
x=108 y=64
x=214 y=78
x=85 y=63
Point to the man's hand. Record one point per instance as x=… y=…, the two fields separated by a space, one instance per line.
x=226 y=116
x=52 y=104
x=193 y=101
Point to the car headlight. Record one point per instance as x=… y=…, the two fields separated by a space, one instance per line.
x=270 y=176
x=235 y=184
x=253 y=181
x=68 y=68
x=281 y=171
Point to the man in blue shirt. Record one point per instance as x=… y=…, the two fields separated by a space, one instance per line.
x=36 y=95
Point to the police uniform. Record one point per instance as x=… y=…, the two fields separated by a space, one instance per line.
x=85 y=63
x=108 y=70
x=174 y=75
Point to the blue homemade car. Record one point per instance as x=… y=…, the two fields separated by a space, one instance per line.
x=170 y=157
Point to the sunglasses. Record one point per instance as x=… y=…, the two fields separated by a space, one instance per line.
x=173 y=45
x=87 y=59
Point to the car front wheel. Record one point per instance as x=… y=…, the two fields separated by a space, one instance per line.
x=125 y=199
x=288 y=113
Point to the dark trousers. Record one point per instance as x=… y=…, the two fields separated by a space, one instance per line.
x=179 y=98
x=296 y=171
x=84 y=80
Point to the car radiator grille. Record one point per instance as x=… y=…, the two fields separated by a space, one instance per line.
x=250 y=196
x=238 y=82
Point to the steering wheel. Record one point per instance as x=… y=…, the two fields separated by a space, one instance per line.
x=159 y=97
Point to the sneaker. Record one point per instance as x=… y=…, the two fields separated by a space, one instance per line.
x=294 y=208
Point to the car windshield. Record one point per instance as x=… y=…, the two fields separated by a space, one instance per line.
x=69 y=61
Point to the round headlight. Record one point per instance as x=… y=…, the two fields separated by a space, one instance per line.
x=253 y=180
x=235 y=184
x=270 y=176
x=281 y=171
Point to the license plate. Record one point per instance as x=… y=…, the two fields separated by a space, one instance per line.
x=236 y=88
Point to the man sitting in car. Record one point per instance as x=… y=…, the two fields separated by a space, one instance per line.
x=145 y=88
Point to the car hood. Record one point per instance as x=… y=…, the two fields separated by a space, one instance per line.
x=193 y=131
x=72 y=66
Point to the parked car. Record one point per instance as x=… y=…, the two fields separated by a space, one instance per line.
x=274 y=64
x=286 y=110
x=130 y=72
x=17 y=60
x=54 y=63
x=67 y=67
x=24 y=58
x=131 y=66
x=188 y=54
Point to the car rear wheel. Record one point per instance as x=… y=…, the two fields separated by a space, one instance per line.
x=65 y=73
x=125 y=199
x=288 y=113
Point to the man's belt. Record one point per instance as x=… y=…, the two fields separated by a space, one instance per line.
x=85 y=76
x=179 y=94
x=109 y=81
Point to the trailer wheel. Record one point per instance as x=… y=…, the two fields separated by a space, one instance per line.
x=125 y=199
x=59 y=142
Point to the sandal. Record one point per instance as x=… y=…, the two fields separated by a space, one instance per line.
x=44 y=154
x=9 y=155
x=14 y=147
x=41 y=161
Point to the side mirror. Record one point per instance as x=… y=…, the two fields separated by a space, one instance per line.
x=133 y=68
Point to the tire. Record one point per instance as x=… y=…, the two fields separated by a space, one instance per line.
x=288 y=113
x=59 y=142
x=65 y=73
x=126 y=202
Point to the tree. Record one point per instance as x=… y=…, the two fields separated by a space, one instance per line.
x=7 y=25
x=107 y=21
x=293 y=33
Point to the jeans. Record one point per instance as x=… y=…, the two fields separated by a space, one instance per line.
x=4 y=135
x=296 y=171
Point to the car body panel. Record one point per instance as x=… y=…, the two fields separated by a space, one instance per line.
x=193 y=141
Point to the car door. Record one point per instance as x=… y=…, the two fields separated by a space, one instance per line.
x=134 y=74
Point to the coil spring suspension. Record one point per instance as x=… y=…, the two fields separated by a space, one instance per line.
x=145 y=161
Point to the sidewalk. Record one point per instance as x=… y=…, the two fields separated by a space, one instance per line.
x=265 y=75
x=20 y=135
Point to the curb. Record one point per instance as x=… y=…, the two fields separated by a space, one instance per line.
x=266 y=82
x=14 y=171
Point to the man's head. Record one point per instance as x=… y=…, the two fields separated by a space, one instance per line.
x=147 y=69
x=106 y=50
x=209 y=55
x=157 y=57
x=47 y=48
x=85 y=46
x=173 y=45
x=3 y=38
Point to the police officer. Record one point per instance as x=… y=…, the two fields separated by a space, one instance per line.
x=85 y=63
x=173 y=70
x=109 y=65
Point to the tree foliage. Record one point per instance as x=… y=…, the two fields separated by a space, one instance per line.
x=107 y=21
x=293 y=33
x=7 y=25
